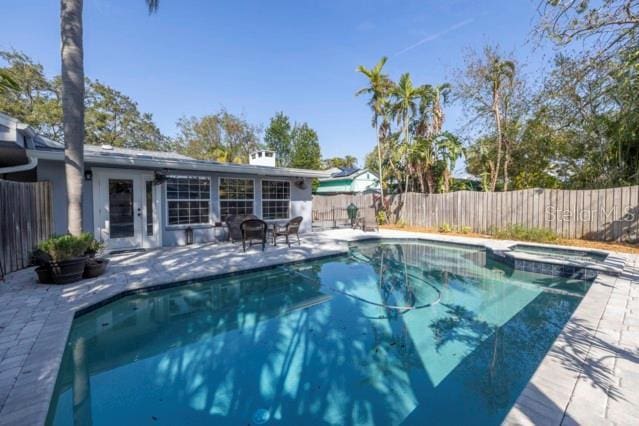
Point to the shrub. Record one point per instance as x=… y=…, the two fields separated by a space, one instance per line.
x=381 y=217
x=445 y=228
x=465 y=229
x=66 y=247
x=518 y=232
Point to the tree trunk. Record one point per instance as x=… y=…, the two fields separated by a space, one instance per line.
x=73 y=108
x=496 y=112
x=506 y=164
x=379 y=159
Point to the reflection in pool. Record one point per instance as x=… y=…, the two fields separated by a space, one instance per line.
x=395 y=332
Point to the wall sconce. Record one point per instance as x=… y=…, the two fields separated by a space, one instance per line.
x=188 y=234
x=88 y=175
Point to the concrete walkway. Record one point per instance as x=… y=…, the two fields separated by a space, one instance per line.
x=590 y=375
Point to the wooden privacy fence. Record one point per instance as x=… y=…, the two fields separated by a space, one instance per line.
x=604 y=214
x=25 y=220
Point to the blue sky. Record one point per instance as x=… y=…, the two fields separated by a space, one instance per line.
x=257 y=57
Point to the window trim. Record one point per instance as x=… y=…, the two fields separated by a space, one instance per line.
x=290 y=193
x=166 y=203
x=219 y=193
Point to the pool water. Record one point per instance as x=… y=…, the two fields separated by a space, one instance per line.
x=561 y=253
x=394 y=332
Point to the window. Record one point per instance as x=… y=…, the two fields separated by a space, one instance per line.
x=276 y=197
x=236 y=197
x=188 y=200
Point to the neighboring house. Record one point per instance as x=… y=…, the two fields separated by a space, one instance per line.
x=348 y=180
x=144 y=199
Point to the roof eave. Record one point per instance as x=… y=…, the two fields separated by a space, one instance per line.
x=188 y=165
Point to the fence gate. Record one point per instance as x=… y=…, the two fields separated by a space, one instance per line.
x=25 y=220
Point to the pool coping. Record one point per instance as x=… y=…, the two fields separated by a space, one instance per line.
x=553 y=395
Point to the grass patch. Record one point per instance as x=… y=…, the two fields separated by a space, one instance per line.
x=520 y=233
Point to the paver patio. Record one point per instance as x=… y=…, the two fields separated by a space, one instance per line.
x=590 y=375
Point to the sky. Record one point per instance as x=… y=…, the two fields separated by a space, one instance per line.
x=258 y=57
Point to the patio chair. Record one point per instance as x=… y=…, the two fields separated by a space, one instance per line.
x=233 y=222
x=252 y=230
x=367 y=219
x=292 y=227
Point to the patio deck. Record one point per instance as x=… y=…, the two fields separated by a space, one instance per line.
x=590 y=375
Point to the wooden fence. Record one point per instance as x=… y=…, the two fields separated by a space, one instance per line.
x=603 y=215
x=25 y=220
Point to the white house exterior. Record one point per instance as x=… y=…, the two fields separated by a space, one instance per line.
x=350 y=180
x=145 y=199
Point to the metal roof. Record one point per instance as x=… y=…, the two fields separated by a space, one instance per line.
x=46 y=149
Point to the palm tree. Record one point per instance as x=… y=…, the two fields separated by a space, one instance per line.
x=450 y=150
x=499 y=73
x=72 y=53
x=378 y=89
x=404 y=107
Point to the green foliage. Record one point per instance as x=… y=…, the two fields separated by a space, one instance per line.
x=67 y=247
x=220 y=137
x=520 y=233
x=277 y=137
x=381 y=217
x=340 y=162
x=110 y=116
x=113 y=118
x=465 y=229
x=306 y=148
x=445 y=228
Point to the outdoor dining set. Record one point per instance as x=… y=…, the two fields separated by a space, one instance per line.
x=250 y=229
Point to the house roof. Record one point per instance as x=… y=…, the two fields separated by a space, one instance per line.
x=46 y=149
x=349 y=173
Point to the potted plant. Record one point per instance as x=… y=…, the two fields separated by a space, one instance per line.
x=95 y=265
x=67 y=258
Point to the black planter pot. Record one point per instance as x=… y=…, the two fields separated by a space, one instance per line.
x=68 y=271
x=95 y=268
x=44 y=274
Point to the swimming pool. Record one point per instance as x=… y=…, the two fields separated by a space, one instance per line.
x=394 y=332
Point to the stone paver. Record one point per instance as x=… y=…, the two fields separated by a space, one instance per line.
x=589 y=376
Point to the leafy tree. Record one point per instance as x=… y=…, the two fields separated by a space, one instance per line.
x=306 y=149
x=378 y=89
x=7 y=82
x=113 y=118
x=277 y=137
x=404 y=106
x=340 y=162
x=35 y=100
x=219 y=137
x=486 y=89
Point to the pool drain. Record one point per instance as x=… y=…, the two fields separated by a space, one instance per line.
x=261 y=416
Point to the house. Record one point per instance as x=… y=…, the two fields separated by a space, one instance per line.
x=144 y=199
x=348 y=180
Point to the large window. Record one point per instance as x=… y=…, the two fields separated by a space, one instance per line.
x=188 y=200
x=236 y=197
x=276 y=199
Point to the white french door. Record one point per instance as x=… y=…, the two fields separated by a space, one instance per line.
x=126 y=209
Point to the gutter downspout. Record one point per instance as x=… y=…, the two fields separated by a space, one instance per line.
x=33 y=163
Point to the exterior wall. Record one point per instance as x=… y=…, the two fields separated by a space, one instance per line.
x=365 y=182
x=53 y=171
x=301 y=205
x=334 y=186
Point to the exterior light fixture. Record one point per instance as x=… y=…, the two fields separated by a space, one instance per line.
x=188 y=233
x=88 y=175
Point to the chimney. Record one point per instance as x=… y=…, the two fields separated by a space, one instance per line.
x=262 y=158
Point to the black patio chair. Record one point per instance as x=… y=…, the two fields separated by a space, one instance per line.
x=233 y=222
x=292 y=227
x=252 y=230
